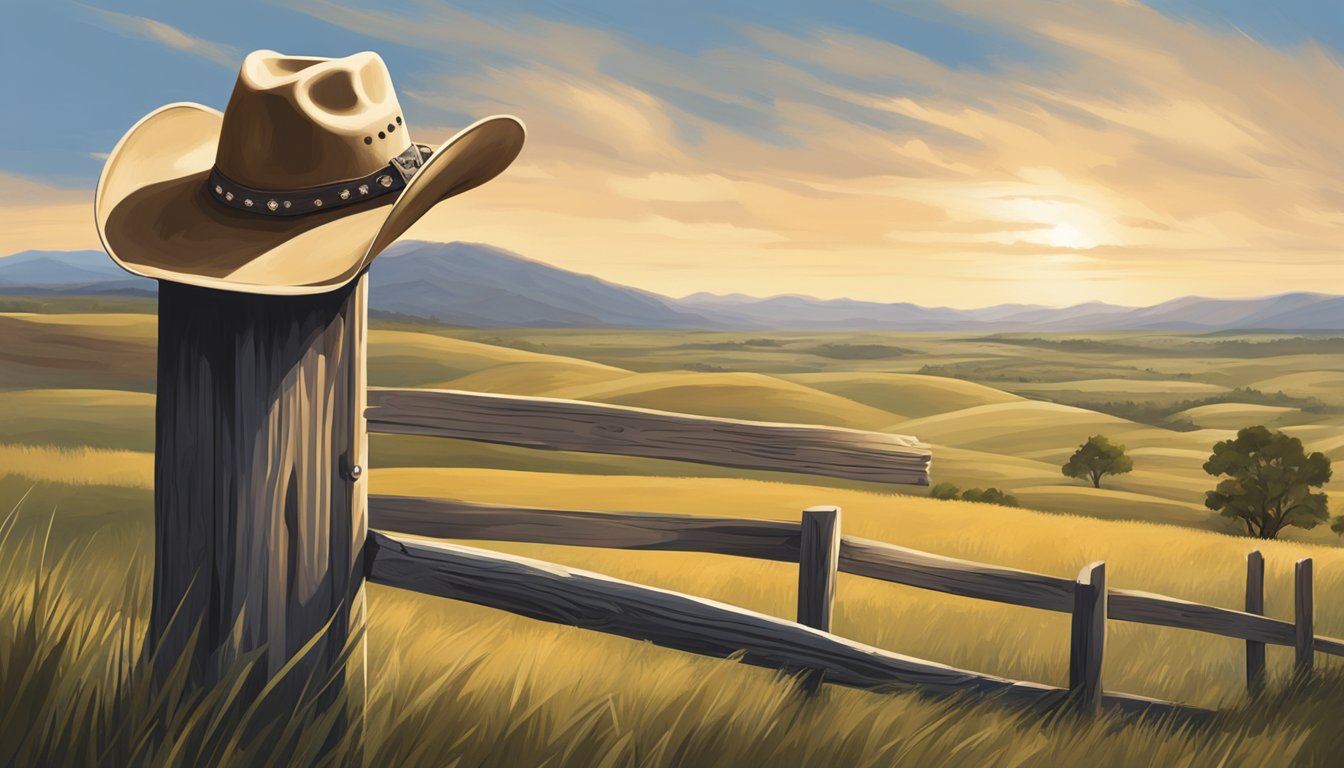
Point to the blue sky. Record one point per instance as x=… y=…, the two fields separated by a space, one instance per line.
x=954 y=148
x=86 y=78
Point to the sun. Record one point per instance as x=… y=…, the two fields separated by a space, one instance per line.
x=1065 y=235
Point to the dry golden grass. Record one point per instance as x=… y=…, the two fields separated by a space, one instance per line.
x=1005 y=640
x=458 y=685
x=751 y=396
x=79 y=466
x=911 y=394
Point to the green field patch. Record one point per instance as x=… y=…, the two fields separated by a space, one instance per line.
x=66 y=304
x=837 y=351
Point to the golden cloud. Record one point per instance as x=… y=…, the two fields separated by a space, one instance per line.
x=1137 y=157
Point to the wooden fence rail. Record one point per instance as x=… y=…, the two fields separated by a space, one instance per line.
x=573 y=425
x=447 y=519
x=559 y=594
x=779 y=540
x=821 y=552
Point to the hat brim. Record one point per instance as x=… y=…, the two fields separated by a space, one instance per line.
x=156 y=218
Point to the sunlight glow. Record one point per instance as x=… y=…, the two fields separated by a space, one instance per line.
x=1065 y=235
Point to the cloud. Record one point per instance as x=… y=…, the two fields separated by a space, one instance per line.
x=37 y=215
x=1120 y=154
x=164 y=34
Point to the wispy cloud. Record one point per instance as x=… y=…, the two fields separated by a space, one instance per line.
x=37 y=214
x=165 y=34
x=828 y=159
x=1126 y=155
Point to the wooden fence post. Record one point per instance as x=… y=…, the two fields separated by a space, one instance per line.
x=1088 y=641
x=818 y=564
x=1255 y=603
x=1303 y=619
x=259 y=507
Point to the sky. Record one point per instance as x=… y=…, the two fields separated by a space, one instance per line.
x=945 y=153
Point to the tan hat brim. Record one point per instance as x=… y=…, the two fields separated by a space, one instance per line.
x=156 y=218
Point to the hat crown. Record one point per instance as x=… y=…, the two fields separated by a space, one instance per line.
x=300 y=121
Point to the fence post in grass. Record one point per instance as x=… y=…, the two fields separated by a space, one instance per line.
x=1255 y=603
x=259 y=506
x=1088 y=639
x=818 y=564
x=1303 y=620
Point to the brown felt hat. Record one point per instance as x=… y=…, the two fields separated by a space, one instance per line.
x=305 y=177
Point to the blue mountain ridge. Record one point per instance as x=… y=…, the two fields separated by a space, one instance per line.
x=476 y=285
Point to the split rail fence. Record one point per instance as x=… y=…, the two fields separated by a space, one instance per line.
x=569 y=596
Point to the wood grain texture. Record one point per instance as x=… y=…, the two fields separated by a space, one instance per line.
x=818 y=558
x=1163 y=611
x=1087 y=644
x=1255 y=604
x=1329 y=645
x=571 y=425
x=779 y=540
x=912 y=567
x=448 y=519
x=259 y=526
x=1304 y=644
x=555 y=593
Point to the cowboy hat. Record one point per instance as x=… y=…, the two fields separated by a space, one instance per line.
x=305 y=177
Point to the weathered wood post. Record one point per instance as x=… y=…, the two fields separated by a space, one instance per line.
x=1303 y=620
x=1088 y=639
x=818 y=564
x=1255 y=603
x=259 y=500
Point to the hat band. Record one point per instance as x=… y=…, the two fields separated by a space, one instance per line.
x=270 y=202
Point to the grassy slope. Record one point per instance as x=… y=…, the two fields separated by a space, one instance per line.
x=114 y=350
x=911 y=394
x=455 y=681
x=1236 y=415
x=982 y=435
x=451 y=682
x=1028 y=644
x=750 y=396
x=458 y=685
x=1327 y=386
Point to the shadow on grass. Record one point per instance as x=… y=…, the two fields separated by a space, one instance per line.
x=73 y=618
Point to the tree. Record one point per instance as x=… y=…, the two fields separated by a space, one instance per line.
x=944 y=491
x=989 y=495
x=1096 y=458
x=1269 y=477
x=948 y=491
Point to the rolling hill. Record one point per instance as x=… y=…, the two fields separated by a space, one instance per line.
x=475 y=285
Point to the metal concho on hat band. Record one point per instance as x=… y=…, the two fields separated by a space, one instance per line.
x=270 y=202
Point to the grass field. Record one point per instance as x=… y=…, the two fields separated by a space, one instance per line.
x=463 y=685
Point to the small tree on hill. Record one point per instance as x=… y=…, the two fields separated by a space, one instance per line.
x=944 y=491
x=989 y=495
x=1269 y=482
x=1096 y=458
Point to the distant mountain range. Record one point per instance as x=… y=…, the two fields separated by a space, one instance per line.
x=480 y=286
